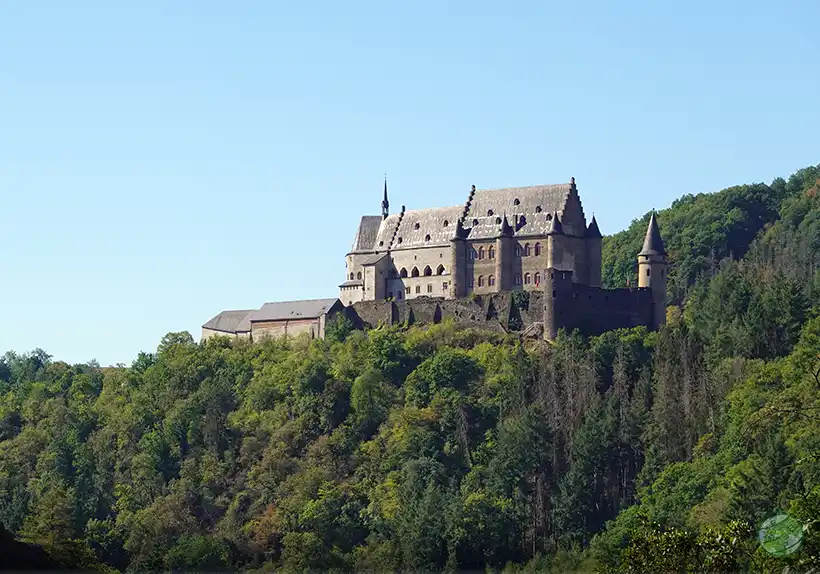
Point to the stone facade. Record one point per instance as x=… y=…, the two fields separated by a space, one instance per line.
x=534 y=239
x=289 y=318
x=499 y=240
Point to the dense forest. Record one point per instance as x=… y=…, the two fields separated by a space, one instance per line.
x=447 y=448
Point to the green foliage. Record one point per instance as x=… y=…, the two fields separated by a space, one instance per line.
x=447 y=448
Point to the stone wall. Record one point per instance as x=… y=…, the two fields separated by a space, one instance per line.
x=508 y=311
x=593 y=310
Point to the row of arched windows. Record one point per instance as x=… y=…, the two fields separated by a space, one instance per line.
x=526 y=251
x=490 y=280
x=428 y=271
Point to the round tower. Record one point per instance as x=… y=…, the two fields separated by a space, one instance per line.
x=652 y=266
x=503 y=258
x=458 y=263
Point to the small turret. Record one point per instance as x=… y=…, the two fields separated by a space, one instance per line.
x=593 y=231
x=506 y=229
x=385 y=203
x=593 y=241
x=555 y=227
x=652 y=265
x=460 y=232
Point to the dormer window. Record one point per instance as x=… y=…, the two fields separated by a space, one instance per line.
x=446 y=223
x=427 y=237
x=399 y=240
x=537 y=209
x=416 y=226
x=489 y=213
x=475 y=222
x=516 y=201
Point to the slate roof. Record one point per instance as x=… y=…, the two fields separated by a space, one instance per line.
x=366 y=234
x=232 y=321
x=282 y=310
x=416 y=225
x=352 y=283
x=652 y=243
x=371 y=259
x=528 y=209
x=592 y=230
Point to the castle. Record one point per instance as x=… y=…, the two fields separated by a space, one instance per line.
x=519 y=238
x=449 y=261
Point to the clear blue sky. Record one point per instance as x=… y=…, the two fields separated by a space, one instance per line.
x=163 y=160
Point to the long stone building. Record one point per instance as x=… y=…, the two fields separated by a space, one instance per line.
x=498 y=240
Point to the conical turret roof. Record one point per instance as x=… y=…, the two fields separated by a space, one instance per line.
x=592 y=230
x=506 y=229
x=555 y=227
x=653 y=244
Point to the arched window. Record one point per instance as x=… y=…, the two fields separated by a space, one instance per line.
x=549 y=217
x=399 y=240
x=527 y=278
x=428 y=271
x=491 y=280
x=491 y=252
x=527 y=250
x=537 y=279
x=481 y=253
x=518 y=251
x=417 y=225
x=489 y=213
x=414 y=272
x=498 y=221
x=359 y=275
x=351 y=276
x=403 y=273
x=427 y=237
x=440 y=270
x=475 y=222
x=481 y=281
x=537 y=209
x=446 y=223
x=537 y=249
x=516 y=202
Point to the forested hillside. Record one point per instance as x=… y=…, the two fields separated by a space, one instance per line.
x=450 y=448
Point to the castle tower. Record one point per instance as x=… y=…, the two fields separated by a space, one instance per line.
x=503 y=255
x=555 y=242
x=652 y=270
x=593 y=244
x=385 y=203
x=458 y=256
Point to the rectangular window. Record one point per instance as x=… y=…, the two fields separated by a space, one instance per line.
x=407 y=290
x=429 y=288
x=418 y=288
x=647 y=272
x=444 y=286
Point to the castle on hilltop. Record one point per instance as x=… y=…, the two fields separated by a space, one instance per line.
x=467 y=262
x=519 y=238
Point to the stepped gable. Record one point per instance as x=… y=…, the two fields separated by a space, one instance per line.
x=366 y=234
x=439 y=223
x=387 y=228
x=529 y=208
x=652 y=243
x=233 y=321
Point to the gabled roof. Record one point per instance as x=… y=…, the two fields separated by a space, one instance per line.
x=652 y=243
x=366 y=234
x=437 y=223
x=282 y=310
x=232 y=321
x=371 y=259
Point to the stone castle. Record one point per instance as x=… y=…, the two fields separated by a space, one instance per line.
x=519 y=238
x=449 y=261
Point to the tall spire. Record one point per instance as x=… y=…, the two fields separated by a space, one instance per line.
x=652 y=243
x=385 y=203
